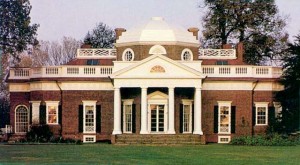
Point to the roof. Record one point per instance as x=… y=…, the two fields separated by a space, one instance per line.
x=157 y=30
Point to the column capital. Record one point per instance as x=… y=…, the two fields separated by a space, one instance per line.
x=198 y=88
x=171 y=87
x=144 y=87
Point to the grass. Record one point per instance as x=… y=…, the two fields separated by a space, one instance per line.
x=137 y=154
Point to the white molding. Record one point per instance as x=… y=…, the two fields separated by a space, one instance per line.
x=265 y=105
x=161 y=50
x=225 y=104
x=220 y=137
x=190 y=52
x=19 y=87
x=35 y=110
x=89 y=136
x=55 y=104
x=124 y=53
x=16 y=117
x=89 y=103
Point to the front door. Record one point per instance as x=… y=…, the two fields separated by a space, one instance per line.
x=157 y=117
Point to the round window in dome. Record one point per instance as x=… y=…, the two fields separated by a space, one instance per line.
x=128 y=55
x=187 y=55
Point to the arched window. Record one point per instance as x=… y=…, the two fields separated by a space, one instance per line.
x=22 y=119
x=128 y=55
x=157 y=49
x=187 y=55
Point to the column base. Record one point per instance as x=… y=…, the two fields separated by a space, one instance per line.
x=199 y=132
x=144 y=132
x=171 y=132
x=117 y=132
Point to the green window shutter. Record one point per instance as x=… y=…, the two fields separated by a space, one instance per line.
x=80 y=118
x=133 y=118
x=30 y=114
x=216 y=119
x=42 y=114
x=253 y=116
x=271 y=116
x=98 y=118
x=181 y=119
x=60 y=114
x=233 y=116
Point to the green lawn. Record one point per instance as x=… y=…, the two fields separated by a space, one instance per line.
x=135 y=154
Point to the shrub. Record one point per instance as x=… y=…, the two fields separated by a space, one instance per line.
x=39 y=133
x=271 y=140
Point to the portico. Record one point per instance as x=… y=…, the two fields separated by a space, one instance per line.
x=157 y=108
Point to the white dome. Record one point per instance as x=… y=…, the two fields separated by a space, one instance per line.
x=157 y=30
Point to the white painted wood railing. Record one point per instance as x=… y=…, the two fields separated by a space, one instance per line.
x=241 y=71
x=217 y=54
x=96 y=53
x=61 y=71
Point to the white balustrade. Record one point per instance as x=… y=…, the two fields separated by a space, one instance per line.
x=96 y=53
x=217 y=54
x=61 y=71
x=241 y=71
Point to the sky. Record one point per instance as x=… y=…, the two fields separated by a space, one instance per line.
x=74 y=18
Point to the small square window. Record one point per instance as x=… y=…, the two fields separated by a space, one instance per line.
x=222 y=63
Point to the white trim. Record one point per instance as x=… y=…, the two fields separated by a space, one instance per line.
x=125 y=103
x=89 y=103
x=264 y=105
x=225 y=104
x=35 y=111
x=16 y=118
x=125 y=53
x=89 y=136
x=190 y=103
x=55 y=104
x=157 y=49
x=225 y=137
x=190 y=53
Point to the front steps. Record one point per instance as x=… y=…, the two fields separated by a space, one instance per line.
x=159 y=139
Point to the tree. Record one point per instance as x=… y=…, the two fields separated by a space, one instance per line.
x=102 y=36
x=254 y=22
x=15 y=29
x=290 y=97
x=53 y=53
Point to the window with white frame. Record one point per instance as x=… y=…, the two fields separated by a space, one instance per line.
x=224 y=117
x=22 y=119
x=187 y=116
x=261 y=113
x=89 y=116
x=127 y=116
x=187 y=55
x=52 y=112
x=128 y=55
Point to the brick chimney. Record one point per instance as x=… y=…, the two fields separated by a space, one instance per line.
x=240 y=52
x=195 y=31
x=227 y=46
x=86 y=46
x=119 y=32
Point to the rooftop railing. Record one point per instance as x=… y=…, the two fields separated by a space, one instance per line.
x=217 y=54
x=96 y=53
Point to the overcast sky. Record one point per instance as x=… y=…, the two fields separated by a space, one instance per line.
x=73 y=18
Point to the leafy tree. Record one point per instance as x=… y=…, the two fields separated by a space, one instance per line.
x=290 y=97
x=15 y=29
x=254 y=22
x=102 y=36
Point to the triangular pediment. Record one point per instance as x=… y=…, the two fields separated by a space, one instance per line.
x=157 y=66
x=157 y=95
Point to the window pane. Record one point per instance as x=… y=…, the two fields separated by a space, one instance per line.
x=89 y=118
x=52 y=115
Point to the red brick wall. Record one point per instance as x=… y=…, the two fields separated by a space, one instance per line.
x=142 y=51
x=70 y=106
x=17 y=98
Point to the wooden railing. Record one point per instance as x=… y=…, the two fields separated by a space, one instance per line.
x=96 y=53
x=61 y=71
x=217 y=54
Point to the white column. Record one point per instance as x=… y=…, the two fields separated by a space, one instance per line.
x=117 y=112
x=35 y=110
x=144 y=116
x=171 y=129
x=198 y=112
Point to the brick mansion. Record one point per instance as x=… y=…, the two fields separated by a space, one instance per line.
x=156 y=86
